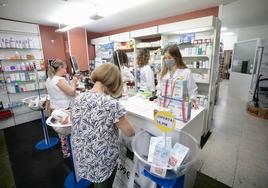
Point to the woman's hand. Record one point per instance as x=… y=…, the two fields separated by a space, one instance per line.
x=194 y=104
x=75 y=80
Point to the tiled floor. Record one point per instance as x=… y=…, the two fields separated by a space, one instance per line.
x=236 y=153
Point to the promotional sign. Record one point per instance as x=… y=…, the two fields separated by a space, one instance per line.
x=164 y=121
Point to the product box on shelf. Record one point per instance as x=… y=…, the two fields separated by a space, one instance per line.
x=174 y=88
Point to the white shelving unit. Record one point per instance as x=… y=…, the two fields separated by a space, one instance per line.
x=205 y=75
x=20 y=50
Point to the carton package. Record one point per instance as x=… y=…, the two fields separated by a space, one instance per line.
x=177 y=155
x=174 y=88
x=158 y=140
x=180 y=108
x=160 y=158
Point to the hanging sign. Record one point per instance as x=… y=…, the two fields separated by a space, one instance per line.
x=164 y=121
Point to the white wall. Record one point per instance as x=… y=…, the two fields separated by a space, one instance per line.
x=244 y=33
x=247 y=33
x=228 y=41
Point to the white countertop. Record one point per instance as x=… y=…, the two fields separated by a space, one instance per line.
x=144 y=108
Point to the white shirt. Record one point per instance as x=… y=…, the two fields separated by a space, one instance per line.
x=185 y=74
x=126 y=74
x=58 y=99
x=147 y=78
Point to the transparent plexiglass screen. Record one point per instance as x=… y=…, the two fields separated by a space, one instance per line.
x=244 y=53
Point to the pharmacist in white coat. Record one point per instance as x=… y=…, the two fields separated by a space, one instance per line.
x=175 y=68
x=147 y=81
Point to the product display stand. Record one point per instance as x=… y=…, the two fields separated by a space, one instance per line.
x=47 y=142
x=71 y=181
x=173 y=176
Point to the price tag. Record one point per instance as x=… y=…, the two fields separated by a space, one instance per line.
x=164 y=121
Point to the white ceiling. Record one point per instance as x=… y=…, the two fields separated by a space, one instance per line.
x=42 y=11
x=245 y=13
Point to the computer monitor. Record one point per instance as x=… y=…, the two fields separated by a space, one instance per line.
x=50 y=61
x=74 y=65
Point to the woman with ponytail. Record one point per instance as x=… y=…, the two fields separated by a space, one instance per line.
x=60 y=93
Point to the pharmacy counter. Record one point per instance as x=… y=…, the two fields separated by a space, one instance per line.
x=141 y=115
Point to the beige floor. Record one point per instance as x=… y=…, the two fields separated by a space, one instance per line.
x=236 y=153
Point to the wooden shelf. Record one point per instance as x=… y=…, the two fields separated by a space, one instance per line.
x=127 y=50
x=150 y=48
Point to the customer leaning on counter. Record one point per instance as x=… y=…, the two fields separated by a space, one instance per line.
x=175 y=68
x=60 y=94
x=96 y=120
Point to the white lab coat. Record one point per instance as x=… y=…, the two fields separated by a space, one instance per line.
x=185 y=74
x=147 y=78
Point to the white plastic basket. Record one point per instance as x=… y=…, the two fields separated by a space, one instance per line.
x=35 y=103
x=141 y=144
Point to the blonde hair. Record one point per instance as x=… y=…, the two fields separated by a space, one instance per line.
x=143 y=58
x=174 y=51
x=54 y=67
x=109 y=75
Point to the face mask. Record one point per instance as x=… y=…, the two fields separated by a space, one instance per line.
x=170 y=63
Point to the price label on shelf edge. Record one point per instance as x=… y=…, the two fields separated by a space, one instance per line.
x=164 y=121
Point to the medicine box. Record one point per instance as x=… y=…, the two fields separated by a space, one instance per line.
x=177 y=155
x=174 y=88
x=180 y=108
x=158 y=140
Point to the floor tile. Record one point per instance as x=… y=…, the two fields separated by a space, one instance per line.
x=250 y=176
x=218 y=171
x=237 y=151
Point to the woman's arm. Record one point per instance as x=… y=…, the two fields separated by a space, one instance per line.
x=66 y=88
x=192 y=90
x=124 y=125
x=149 y=74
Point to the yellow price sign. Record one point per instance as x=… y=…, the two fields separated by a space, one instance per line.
x=164 y=121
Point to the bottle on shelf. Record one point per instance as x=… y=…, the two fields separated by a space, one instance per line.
x=12 y=42
x=17 y=88
x=7 y=44
x=22 y=66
